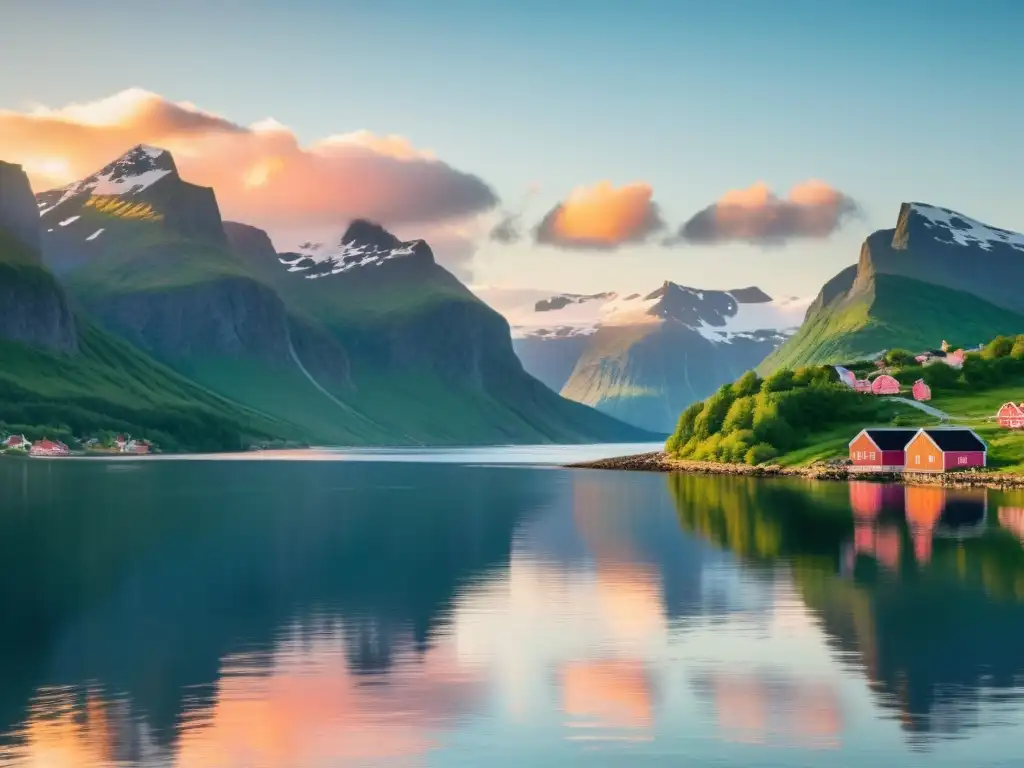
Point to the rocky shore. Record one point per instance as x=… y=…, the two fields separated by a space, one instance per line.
x=658 y=461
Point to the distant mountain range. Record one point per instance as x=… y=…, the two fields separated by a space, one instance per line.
x=937 y=275
x=643 y=357
x=369 y=341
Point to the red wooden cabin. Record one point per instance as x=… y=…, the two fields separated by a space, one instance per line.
x=942 y=449
x=885 y=385
x=922 y=391
x=880 y=450
x=1011 y=416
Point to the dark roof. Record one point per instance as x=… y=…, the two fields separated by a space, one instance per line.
x=956 y=439
x=891 y=439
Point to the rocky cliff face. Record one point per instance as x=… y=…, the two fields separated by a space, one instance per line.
x=940 y=246
x=232 y=317
x=18 y=212
x=33 y=307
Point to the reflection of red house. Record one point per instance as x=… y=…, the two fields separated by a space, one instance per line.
x=1010 y=416
x=881 y=450
x=922 y=391
x=1012 y=518
x=945 y=448
x=885 y=385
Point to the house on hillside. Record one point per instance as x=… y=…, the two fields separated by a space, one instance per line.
x=942 y=449
x=49 y=448
x=121 y=442
x=1010 y=416
x=17 y=442
x=137 y=446
x=952 y=359
x=922 y=391
x=880 y=449
x=885 y=385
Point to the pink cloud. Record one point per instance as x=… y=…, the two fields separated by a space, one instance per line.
x=261 y=173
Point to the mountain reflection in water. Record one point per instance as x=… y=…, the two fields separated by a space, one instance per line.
x=311 y=614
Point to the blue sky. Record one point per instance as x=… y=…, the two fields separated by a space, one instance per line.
x=886 y=101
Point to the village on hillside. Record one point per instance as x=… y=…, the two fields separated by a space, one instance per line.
x=937 y=449
x=18 y=444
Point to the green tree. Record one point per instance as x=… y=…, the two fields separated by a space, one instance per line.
x=1000 y=346
x=900 y=357
x=713 y=415
x=747 y=384
x=779 y=381
x=684 y=428
x=1017 y=353
x=760 y=453
x=740 y=415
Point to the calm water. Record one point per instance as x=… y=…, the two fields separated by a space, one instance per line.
x=305 y=614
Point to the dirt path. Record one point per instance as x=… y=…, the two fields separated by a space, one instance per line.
x=931 y=410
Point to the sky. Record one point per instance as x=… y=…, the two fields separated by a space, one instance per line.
x=576 y=146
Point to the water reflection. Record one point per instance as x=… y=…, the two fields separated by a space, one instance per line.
x=338 y=614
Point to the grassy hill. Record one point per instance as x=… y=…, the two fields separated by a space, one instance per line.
x=797 y=418
x=887 y=311
x=110 y=385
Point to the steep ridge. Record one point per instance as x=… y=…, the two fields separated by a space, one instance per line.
x=428 y=357
x=62 y=376
x=937 y=275
x=644 y=357
x=33 y=307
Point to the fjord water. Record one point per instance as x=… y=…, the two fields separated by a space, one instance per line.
x=472 y=612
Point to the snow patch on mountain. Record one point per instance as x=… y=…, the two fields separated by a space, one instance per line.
x=963 y=230
x=95 y=234
x=317 y=262
x=566 y=315
x=132 y=173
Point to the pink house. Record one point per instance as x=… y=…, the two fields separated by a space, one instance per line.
x=922 y=391
x=17 y=441
x=1010 y=416
x=885 y=385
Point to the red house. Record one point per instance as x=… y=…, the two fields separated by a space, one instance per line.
x=17 y=441
x=922 y=391
x=942 y=449
x=1010 y=416
x=880 y=450
x=48 y=448
x=885 y=385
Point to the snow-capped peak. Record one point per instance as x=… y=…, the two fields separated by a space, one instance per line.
x=719 y=316
x=135 y=171
x=364 y=244
x=953 y=227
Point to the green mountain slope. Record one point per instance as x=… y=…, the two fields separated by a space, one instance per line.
x=883 y=311
x=385 y=348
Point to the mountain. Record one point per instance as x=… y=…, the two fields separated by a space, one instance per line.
x=937 y=275
x=645 y=357
x=60 y=372
x=429 y=360
x=33 y=307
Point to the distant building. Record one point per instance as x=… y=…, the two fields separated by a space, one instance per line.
x=942 y=449
x=880 y=450
x=136 y=446
x=49 y=448
x=17 y=442
x=121 y=442
x=922 y=391
x=885 y=385
x=1010 y=416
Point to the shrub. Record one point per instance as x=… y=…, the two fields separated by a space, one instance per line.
x=760 y=453
x=684 y=428
x=1017 y=352
x=734 y=447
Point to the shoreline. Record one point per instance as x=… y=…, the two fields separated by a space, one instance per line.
x=659 y=461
